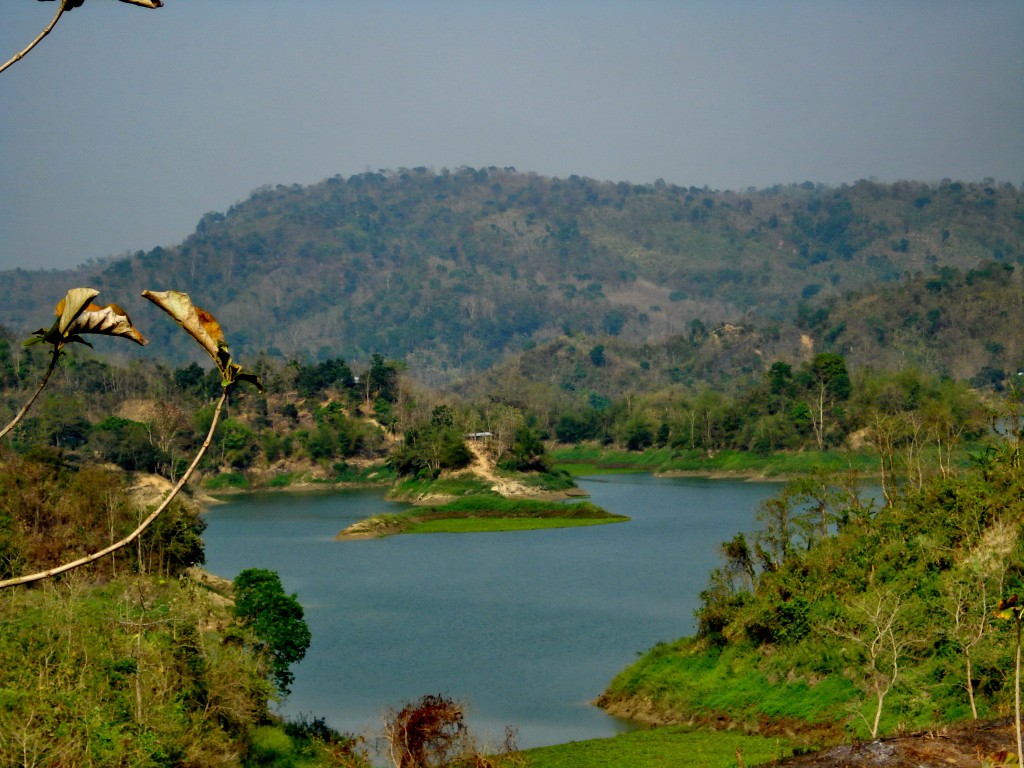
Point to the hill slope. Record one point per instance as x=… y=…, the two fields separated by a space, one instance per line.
x=453 y=270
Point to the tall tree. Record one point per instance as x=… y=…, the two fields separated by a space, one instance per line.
x=829 y=384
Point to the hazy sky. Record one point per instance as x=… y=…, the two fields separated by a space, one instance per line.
x=126 y=125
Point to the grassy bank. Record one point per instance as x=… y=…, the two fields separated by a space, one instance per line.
x=683 y=680
x=586 y=459
x=483 y=513
x=655 y=748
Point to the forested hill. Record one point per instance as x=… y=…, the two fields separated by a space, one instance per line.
x=966 y=325
x=452 y=271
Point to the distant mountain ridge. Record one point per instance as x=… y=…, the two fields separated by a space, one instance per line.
x=454 y=270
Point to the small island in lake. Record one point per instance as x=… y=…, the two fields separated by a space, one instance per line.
x=478 y=498
x=482 y=513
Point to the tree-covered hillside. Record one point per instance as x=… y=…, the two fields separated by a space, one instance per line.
x=452 y=270
x=965 y=324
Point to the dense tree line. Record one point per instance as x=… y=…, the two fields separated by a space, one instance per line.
x=323 y=417
x=314 y=416
x=158 y=415
x=816 y=405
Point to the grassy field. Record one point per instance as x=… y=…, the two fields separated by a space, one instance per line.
x=586 y=460
x=680 y=746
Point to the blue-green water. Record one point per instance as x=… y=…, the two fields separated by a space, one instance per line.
x=525 y=627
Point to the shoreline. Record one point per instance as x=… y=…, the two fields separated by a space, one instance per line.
x=723 y=474
x=302 y=487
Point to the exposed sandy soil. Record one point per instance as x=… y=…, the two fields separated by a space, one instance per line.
x=482 y=466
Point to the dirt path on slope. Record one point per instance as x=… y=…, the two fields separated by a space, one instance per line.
x=483 y=467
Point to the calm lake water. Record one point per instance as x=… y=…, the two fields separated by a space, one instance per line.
x=525 y=627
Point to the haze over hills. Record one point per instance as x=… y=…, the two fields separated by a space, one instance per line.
x=453 y=271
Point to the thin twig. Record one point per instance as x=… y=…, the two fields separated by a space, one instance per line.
x=34 y=43
x=42 y=384
x=145 y=523
x=1016 y=692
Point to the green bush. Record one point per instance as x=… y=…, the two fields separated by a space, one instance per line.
x=270 y=747
x=275 y=619
x=238 y=443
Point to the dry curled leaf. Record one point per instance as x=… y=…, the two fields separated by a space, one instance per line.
x=72 y=305
x=204 y=328
x=200 y=324
x=1010 y=609
x=77 y=315
x=109 y=320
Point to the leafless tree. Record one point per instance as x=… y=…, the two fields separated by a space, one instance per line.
x=873 y=626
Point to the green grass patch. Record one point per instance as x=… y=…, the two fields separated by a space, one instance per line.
x=771 y=465
x=683 y=678
x=608 y=460
x=584 y=469
x=226 y=480
x=470 y=485
x=588 y=460
x=577 y=453
x=461 y=485
x=555 y=480
x=793 y=686
x=373 y=474
x=282 y=480
x=658 y=747
x=499 y=506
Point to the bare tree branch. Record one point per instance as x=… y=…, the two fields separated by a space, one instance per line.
x=42 y=385
x=34 y=43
